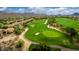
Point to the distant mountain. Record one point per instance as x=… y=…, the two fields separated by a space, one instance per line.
x=3 y=14
x=76 y=14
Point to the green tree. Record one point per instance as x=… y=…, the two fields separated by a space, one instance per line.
x=40 y=47
x=51 y=20
x=71 y=31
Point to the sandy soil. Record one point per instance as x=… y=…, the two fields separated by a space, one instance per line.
x=8 y=37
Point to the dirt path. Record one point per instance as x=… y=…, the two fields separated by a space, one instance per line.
x=27 y=42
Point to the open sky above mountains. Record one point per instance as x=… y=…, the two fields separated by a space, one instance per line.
x=42 y=10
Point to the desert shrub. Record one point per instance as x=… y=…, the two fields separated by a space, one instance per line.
x=17 y=30
x=1 y=25
x=19 y=44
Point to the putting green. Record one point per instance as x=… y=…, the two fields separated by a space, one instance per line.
x=52 y=33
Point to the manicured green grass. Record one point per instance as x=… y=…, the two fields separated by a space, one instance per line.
x=66 y=22
x=40 y=33
x=51 y=33
x=46 y=35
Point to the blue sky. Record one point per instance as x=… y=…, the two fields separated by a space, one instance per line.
x=41 y=10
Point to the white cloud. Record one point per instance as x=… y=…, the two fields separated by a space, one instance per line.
x=44 y=10
x=20 y=10
x=37 y=10
x=48 y=11
x=54 y=11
